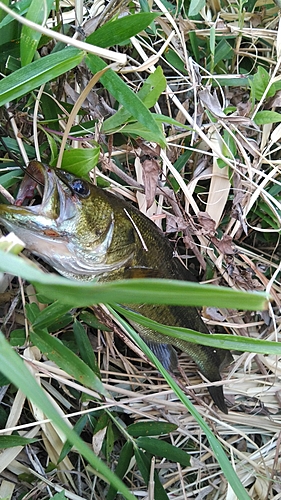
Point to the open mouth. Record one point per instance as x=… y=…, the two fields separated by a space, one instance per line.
x=46 y=226
x=39 y=225
x=53 y=202
x=45 y=180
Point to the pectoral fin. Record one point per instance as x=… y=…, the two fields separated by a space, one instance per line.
x=165 y=353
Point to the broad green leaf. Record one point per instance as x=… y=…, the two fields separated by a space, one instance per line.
x=78 y=428
x=38 y=12
x=10 y=441
x=91 y=320
x=13 y=367
x=61 y=323
x=144 y=464
x=67 y=360
x=50 y=314
x=59 y=496
x=162 y=449
x=175 y=61
x=80 y=161
x=19 y=7
x=259 y=83
x=136 y=128
x=195 y=6
x=26 y=79
x=85 y=348
x=171 y=121
x=12 y=145
x=9 y=41
x=17 y=338
x=265 y=117
x=229 y=146
x=152 y=291
x=215 y=340
x=231 y=80
x=125 y=96
x=122 y=466
x=109 y=441
x=121 y=29
x=152 y=88
x=8 y=180
x=32 y=310
x=150 y=428
x=223 y=51
x=102 y=422
x=2 y=12
x=219 y=453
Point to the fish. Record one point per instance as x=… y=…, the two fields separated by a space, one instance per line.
x=89 y=234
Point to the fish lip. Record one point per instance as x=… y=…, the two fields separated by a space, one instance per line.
x=57 y=205
x=53 y=203
x=55 y=194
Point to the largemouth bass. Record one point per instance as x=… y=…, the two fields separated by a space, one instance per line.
x=86 y=233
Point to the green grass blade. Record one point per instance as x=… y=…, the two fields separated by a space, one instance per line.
x=164 y=450
x=15 y=370
x=125 y=96
x=38 y=12
x=121 y=29
x=26 y=79
x=10 y=441
x=67 y=360
x=150 y=291
x=219 y=341
x=219 y=453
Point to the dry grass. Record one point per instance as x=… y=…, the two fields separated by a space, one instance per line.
x=250 y=433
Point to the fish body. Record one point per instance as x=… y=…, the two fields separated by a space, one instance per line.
x=87 y=233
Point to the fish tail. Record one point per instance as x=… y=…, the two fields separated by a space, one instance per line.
x=217 y=394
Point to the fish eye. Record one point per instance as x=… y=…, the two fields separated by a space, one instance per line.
x=80 y=187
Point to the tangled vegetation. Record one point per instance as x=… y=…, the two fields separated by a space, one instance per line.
x=174 y=106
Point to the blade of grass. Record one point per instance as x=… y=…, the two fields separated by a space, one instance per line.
x=151 y=291
x=38 y=12
x=220 y=341
x=15 y=370
x=67 y=360
x=219 y=453
x=26 y=79
x=125 y=96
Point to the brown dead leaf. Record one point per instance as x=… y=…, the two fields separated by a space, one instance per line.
x=225 y=245
x=97 y=441
x=189 y=243
x=148 y=150
x=150 y=170
x=275 y=101
x=214 y=314
x=244 y=107
x=175 y=224
x=186 y=25
x=256 y=19
x=212 y=103
x=208 y=225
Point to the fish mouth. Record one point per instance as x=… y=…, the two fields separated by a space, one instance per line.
x=56 y=206
x=40 y=226
x=50 y=229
